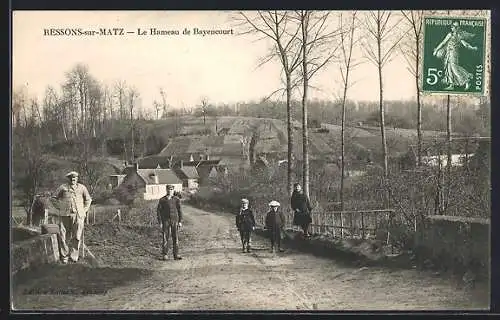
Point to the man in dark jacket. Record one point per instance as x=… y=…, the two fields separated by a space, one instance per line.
x=170 y=219
x=245 y=222
x=275 y=221
x=301 y=207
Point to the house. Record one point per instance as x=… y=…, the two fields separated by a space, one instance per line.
x=151 y=184
x=188 y=175
x=116 y=179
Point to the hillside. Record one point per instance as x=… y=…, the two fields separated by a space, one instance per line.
x=272 y=138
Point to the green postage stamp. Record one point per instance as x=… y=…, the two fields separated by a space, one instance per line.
x=454 y=54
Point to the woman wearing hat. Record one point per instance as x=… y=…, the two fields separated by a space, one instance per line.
x=449 y=51
x=245 y=222
x=275 y=221
x=301 y=207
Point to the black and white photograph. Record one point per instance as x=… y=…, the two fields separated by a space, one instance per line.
x=283 y=160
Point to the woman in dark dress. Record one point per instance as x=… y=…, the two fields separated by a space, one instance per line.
x=301 y=207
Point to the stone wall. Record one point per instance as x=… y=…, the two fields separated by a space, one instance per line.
x=454 y=242
x=34 y=251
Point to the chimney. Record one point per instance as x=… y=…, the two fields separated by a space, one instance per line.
x=181 y=164
x=157 y=181
x=208 y=157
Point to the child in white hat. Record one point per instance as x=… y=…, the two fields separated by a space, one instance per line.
x=275 y=221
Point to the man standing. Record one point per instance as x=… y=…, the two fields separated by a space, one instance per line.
x=170 y=219
x=74 y=203
x=245 y=222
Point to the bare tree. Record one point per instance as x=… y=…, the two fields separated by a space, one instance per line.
x=120 y=94
x=30 y=161
x=317 y=51
x=133 y=94
x=382 y=40
x=204 y=107
x=157 y=107
x=276 y=26
x=411 y=52
x=164 y=102
x=347 y=64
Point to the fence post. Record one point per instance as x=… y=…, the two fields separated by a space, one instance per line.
x=341 y=226
x=362 y=225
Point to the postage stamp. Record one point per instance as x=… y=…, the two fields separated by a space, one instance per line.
x=454 y=53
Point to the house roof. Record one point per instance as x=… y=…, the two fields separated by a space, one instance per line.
x=152 y=162
x=165 y=176
x=187 y=172
x=213 y=145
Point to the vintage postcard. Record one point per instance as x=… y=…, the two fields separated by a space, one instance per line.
x=292 y=161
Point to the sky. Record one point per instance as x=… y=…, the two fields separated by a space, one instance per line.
x=221 y=68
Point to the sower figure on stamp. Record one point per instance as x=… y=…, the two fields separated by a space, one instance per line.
x=275 y=221
x=301 y=207
x=245 y=222
x=74 y=202
x=170 y=219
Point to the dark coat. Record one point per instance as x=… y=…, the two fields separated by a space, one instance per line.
x=275 y=220
x=300 y=202
x=301 y=207
x=245 y=220
x=169 y=210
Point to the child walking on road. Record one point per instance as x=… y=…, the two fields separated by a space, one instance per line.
x=245 y=222
x=275 y=221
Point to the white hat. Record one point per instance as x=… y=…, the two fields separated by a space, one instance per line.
x=245 y=200
x=71 y=174
x=274 y=203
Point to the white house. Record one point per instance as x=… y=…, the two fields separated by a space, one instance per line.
x=151 y=183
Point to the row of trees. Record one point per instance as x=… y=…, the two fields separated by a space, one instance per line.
x=304 y=42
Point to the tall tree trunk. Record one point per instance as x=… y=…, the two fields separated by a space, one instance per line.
x=289 y=127
x=419 y=107
x=305 y=81
x=448 y=152
x=342 y=148
x=382 y=126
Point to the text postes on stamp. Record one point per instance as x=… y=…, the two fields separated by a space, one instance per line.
x=454 y=52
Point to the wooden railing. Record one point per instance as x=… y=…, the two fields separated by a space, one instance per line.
x=362 y=224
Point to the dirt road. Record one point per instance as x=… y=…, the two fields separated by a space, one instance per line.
x=215 y=274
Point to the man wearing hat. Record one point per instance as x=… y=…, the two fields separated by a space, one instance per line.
x=74 y=202
x=275 y=221
x=170 y=219
x=245 y=222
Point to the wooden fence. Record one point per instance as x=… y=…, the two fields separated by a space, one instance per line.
x=360 y=224
x=114 y=215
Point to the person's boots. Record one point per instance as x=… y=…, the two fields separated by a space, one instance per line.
x=248 y=247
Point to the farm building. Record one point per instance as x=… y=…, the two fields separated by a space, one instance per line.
x=188 y=175
x=151 y=184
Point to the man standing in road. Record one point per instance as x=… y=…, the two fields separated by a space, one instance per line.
x=74 y=202
x=170 y=219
